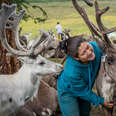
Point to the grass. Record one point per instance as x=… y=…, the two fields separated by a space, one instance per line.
x=65 y=13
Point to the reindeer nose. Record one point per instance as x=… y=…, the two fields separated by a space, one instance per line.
x=61 y=66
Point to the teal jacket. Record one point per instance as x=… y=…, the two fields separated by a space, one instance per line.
x=77 y=79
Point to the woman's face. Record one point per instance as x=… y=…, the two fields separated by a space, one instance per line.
x=85 y=53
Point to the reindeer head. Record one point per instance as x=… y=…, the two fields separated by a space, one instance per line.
x=29 y=56
x=41 y=66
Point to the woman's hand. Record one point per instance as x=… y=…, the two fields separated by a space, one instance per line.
x=108 y=105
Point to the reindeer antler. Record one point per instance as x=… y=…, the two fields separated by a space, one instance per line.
x=13 y=22
x=102 y=28
x=88 y=2
x=94 y=30
x=6 y=15
x=67 y=32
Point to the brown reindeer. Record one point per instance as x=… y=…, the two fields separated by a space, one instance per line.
x=106 y=80
x=44 y=104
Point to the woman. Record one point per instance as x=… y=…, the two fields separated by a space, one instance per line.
x=75 y=82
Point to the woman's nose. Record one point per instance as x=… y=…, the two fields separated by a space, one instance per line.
x=89 y=51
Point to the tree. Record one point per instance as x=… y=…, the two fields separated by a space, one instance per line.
x=24 y=4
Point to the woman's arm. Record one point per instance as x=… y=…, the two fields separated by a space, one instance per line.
x=81 y=89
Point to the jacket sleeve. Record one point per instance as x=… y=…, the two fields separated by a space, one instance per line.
x=81 y=89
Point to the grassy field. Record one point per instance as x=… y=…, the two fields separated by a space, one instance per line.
x=65 y=13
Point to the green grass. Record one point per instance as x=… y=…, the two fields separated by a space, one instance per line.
x=65 y=13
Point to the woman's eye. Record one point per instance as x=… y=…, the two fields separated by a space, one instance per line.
x=88 y=47
x=83 y=53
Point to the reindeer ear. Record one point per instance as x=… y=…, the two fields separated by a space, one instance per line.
x=26 y=60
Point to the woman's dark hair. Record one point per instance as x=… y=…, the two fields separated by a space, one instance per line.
x=71 y=45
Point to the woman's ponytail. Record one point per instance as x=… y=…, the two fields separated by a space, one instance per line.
x=63 y=45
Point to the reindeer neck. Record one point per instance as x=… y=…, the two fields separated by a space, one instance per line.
x=25 y=71
x=27 y=74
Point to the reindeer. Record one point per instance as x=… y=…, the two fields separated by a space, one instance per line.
x=106 y=79
x=18 y=88
x=53 y=48
x=50 y=46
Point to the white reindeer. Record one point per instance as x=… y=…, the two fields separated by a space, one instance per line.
x=20 y=87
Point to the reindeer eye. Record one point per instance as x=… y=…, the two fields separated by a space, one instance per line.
x=42 y=63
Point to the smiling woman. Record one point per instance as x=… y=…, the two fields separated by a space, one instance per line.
x=76 y=81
